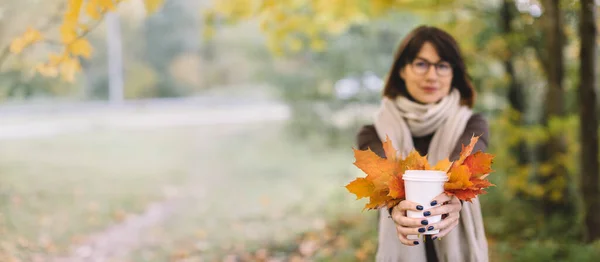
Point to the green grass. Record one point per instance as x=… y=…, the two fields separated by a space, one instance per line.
x=239 y=186
x=55 y=191
x=266 y=189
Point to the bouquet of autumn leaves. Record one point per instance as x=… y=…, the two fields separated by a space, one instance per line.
x=384 y=185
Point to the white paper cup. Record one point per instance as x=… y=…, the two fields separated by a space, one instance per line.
x=422 y=186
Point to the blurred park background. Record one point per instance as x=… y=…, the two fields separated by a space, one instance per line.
x=222 y=130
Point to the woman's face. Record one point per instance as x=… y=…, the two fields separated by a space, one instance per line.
x=427 y=78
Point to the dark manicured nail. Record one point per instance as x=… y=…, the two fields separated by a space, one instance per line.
x=433 y=203
x=426 y=213
x=416 y=242
x=424 y=222
x=419 y=207
x=421 y=230
x=434 y=238
x=430 y=228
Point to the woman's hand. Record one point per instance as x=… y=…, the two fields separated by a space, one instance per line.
x=449 y=209
x=406 y=225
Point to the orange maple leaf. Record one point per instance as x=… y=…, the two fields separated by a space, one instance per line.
x=414 y=161
x=442 y=165
x=466 y=150
x=378 y=199
x=361 y=187
x=396 y=185
x=384 y=185
x=464 y=185
x=479 y=163
x=389 y=150
x=464 y=194
x=480 y=184
x=380 y=171
x=459 y=178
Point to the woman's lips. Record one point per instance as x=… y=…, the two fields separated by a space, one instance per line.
x=429 y=89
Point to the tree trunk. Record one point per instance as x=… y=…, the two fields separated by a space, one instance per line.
x=516 y=96
x=554 y=179
x=588 y=119
x=115 y=57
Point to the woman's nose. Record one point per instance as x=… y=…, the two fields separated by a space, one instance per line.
x=431 y=72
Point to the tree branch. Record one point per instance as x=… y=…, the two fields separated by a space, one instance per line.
x=47 y=26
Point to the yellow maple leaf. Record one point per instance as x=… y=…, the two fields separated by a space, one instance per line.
x=153 y=5
x=68 y=68
x=17 y=46
x=414 y=161
x=389 y=150
x=361 y=187
x=92 y=9
x=378 y=170
x=47 y=70
x=442 y=165
x=81 y=47
x=107 y=5
x=459 y=178
x=28 y=38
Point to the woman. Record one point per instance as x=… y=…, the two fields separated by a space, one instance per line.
x=426 y=105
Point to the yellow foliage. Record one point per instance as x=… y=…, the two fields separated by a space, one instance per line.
x=153 y=5
x=30 y=37
x=80 y=47
x=69 y=67
x=72 y=32
x=282 y=21
x=47 y=70
x=68 y=28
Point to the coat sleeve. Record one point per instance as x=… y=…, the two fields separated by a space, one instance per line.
x=478 y=126
x=367 y=138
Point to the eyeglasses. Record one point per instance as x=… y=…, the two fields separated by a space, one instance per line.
x=421 y=67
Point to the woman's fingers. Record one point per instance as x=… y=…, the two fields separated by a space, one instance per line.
x=452 y=207
x=440 y=199
x=404 y=240
x=413 y=230
x=402 y=220
x=446 y=230
x=408 y=205
x=447 y=222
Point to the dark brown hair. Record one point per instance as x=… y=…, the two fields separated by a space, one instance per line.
x=448 y=50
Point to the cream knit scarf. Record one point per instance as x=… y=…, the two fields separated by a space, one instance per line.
x=402 y=119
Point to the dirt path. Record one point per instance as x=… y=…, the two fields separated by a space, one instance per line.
x=117 y=241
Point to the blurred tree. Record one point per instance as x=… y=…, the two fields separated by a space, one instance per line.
x=588 y=120
x=516 y=94
x=553 y=172
x=291 y=26
x=73 y=31
x=115 y=57
x=166 y=41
